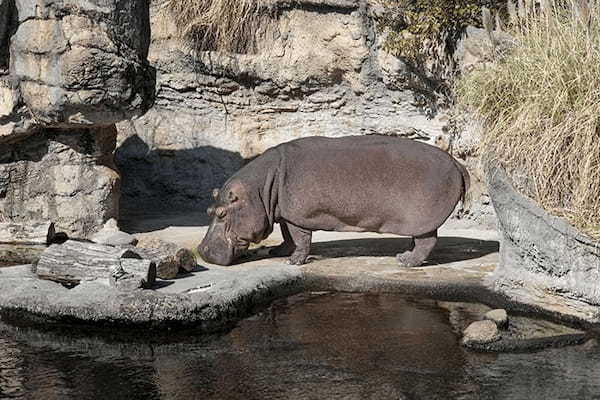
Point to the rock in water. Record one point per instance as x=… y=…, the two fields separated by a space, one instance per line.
x=499 y=317
x=169 y=257
x=480 y=332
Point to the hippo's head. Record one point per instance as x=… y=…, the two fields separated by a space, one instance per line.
x=238 y=218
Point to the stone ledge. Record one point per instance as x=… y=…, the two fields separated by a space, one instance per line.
x=212 y=297
x=211 y=300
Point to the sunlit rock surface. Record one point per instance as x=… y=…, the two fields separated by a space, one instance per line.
x=317 y=69
x=69 y=70
x=544 y=261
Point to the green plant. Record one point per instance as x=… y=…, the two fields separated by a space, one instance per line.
x=540 y=106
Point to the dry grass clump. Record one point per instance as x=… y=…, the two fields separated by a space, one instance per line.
x=540 y=106
x=227 y=25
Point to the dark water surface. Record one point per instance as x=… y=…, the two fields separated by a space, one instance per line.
x=311 y=346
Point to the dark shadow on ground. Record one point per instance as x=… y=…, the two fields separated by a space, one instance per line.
x=144 y=221
x=448 y=249
x=165 y=187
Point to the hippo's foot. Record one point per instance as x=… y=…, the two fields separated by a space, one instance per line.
x=409 y=259
x=283 y=250
x=423 y=246
x=297 y=259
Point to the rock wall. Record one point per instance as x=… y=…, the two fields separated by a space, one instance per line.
x=544 y=261
x=319 y=69
x=69 y=70
x=61 y=176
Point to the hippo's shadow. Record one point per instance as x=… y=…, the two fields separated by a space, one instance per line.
x=448 y=249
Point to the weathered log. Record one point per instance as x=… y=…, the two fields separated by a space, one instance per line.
x=130 y=275
x=169 y=257
x=74 y=261
x=145 y=269
x=36 y=233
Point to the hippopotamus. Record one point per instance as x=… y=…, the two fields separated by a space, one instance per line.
x=366 y=183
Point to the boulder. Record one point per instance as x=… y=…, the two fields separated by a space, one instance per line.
x=110 y=235
x=480 y=332
x=499 y=317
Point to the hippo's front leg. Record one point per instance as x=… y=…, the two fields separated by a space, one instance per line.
x=287 y=247
x=301 y=239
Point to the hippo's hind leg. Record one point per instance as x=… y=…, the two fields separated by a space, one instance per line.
x=423 y=246
x=287 y=247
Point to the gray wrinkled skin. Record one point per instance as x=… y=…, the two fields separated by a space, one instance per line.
x=350 y=184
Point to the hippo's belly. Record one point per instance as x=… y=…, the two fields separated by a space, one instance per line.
x=364 y=184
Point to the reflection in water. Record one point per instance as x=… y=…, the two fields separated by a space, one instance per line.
x=331 y=346
x=11 y=376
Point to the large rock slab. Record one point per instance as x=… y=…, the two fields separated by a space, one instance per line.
x=544 y=261
x=69 y=70
x=82 y=62
x=65 y=177
x=209 y=300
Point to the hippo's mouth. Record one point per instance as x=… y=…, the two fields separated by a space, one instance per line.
x=239 y=247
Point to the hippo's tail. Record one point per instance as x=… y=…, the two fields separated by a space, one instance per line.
x=466 y=179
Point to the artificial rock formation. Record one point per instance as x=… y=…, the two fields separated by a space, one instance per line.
x=69 y=70
x=318 y=69
x=544 y=261
x=61 y=176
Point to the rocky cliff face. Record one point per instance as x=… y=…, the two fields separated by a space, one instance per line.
x=69 y=70
x=318 y=69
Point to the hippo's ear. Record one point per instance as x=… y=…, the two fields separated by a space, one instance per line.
x=215 y=193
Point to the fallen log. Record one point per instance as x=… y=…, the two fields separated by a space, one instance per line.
x=76 y=261
x=125 y=278
x=169 y=257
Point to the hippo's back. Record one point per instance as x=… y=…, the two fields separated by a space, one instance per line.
x=367 y=183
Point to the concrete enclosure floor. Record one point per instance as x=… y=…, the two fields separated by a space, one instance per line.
x=464 y=255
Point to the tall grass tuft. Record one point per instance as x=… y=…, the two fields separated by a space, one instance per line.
x=225 y=25
x=540 y=106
